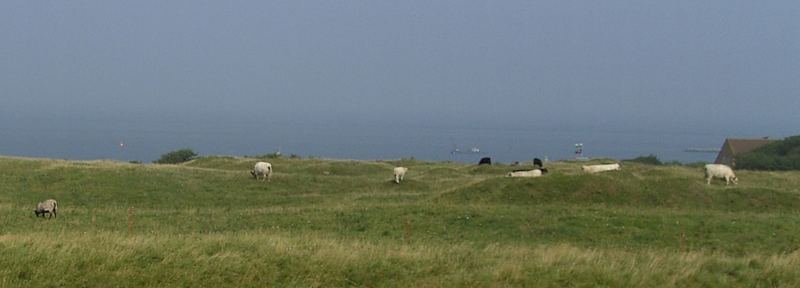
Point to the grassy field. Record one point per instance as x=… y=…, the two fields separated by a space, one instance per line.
x=323 y=223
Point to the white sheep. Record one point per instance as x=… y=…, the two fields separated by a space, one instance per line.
x=600 y=168
x=49 y=207
x=720 y=171
x=263 y=170
x=399 y=174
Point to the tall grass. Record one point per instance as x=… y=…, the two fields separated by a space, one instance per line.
x=269 y=259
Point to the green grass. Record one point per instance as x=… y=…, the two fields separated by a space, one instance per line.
x=323 y=223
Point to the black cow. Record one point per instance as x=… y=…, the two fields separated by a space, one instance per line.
x=537 y=162
x=486 y=161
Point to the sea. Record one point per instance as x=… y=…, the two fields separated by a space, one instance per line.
x=146 y=140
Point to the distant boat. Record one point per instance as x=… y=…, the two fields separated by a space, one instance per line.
x=702 y=150
x=473 y=150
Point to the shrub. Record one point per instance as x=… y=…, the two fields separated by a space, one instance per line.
x=177 y=156
x=780 y=155
x=274 y=155
x=649 y=159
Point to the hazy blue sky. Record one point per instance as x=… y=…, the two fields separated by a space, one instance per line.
x=673 y=65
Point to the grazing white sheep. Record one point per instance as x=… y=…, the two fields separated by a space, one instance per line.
x=720 y=171
x=399 y=174
x=528 y=173
x=49 y=207
x=263 y=170
x=600 y=168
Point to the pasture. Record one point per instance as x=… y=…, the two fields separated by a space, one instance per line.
x=322 y=223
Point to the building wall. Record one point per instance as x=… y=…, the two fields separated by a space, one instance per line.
x=725 y=155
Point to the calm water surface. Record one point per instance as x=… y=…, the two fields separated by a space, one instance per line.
x=146 y=140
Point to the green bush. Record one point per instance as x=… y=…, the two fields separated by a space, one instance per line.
x=273 y=155
x=177 y=156
x=780 y=155
x=649 y=159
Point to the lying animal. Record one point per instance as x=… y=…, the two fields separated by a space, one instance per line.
x=527 y=173
x=600 y=168
x=720 y=171
x=49 y=207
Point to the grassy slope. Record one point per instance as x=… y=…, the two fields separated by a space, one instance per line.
x=344 y=223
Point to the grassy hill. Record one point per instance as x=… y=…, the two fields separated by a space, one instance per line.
x=207 y=223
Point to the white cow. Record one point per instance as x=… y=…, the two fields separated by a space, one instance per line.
x=399 y=173
x=263 y=170
x=600 y=168
x=720 y=171
x=49 y=207
x=529 y=173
